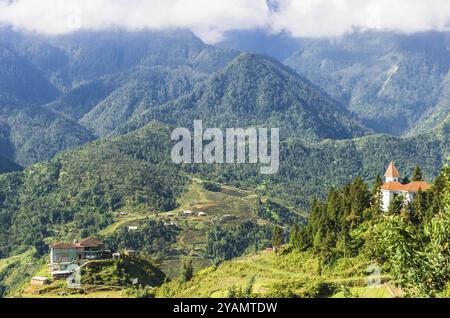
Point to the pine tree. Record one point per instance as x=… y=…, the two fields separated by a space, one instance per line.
x=396 y=205
x=277 y=237
x=417 y=174
x=419 y=207
x=317 y=243
x=187 y=271
x=294 y=237
x=405 y=180
x=376 y=195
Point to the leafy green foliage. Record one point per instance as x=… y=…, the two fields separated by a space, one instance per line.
x=255 y=91
x=332 y=222
x=225 y=244
x=277 y=213
x=123 y=272
x=277 y=237
x=412 y=241
x=85 y=186
x=242 y=292
x=151 y=237
x=417 y=174
x=187 y=271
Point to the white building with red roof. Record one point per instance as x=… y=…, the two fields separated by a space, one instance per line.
x=393 y=188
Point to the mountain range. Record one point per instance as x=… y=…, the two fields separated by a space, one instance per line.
x=395 y=83
x=86 y=121
x=254 y=90
x=102 y=83
x=81 y=82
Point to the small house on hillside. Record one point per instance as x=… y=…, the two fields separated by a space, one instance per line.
x=39 y=281
x=64 y=254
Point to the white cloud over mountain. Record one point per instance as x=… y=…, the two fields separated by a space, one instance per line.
x=211 y=18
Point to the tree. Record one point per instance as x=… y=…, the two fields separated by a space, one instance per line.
x=376 y=194
x=417 y=174
x=419 y=207
x=277 y=237
x=396 y=205
x=41 y=248
x=405 y=180
x=187 y=271
x=294 y=237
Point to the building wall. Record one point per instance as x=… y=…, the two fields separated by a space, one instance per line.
x=387 y=197
x=65 y=255
x=409 y=196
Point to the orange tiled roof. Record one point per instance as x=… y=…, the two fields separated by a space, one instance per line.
x=88 y=242
x=392 y=171
x=416 y=186
x=410 y=187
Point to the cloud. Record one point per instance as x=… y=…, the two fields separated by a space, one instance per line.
x=211 y=18
x=317 y=18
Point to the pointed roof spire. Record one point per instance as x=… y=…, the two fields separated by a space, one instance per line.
x=392 y=172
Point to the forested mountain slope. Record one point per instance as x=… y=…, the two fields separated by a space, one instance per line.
x=58 y=92
x=7 y=165
x=392 y=81
x=309 y=170
x=257 y=91
x=31 y=133
x=141 y=90
x=86 y=185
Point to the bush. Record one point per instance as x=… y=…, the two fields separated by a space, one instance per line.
x=318 y=290
x=212 y=186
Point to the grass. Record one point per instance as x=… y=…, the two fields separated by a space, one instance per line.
x=100 y=279
x=16 y=272
x=381 y=291
x=279 y=275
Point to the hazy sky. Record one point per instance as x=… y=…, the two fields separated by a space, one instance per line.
x=209 y=19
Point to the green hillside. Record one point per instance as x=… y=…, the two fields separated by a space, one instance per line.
x=393 y=81
x=30 y=134
x=257 y=91
x=21 y=81
x=169 y=246
x=286 y=275
x=349 y=248
x=57 y=93
x=138 y=91
x=84 y=187
x=309 y=170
